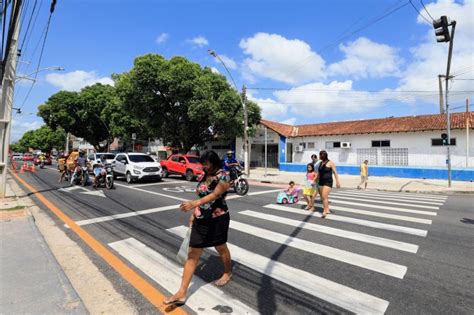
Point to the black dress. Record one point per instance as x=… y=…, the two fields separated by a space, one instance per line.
x=325 y=175
x=211 y=220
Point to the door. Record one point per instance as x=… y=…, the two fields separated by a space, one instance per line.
x=173 y=164
x=289 y=153
x=119 y=164
x=181 y=165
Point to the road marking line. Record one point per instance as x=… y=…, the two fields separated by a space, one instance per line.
x=152 y=192
x=350 y=299
x=436 y=203
x=402 y=195
x=365 y=238
x=159 y=183
x=365 y=205
x=254 y=193
x=143 y=286
x=202 y=296
x=372 y=224
x=388 y=268
x=125 y=215
x=338 y=197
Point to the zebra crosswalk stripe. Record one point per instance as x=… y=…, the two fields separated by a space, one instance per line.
x=350 y=299
x=401 y=195
x=388 y=268
x=370 y=239
x=202 y=297
x=376 y=198
x=335 y=197
x=372 y=224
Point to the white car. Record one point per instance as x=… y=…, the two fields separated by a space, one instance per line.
x=94 y=158
x=136 y=166
x=17 y=156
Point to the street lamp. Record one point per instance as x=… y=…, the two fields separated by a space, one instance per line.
x=244 y=106
x=27 y=77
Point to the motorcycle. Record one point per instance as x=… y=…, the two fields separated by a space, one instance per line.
x=81 y=176
x=106 y=177
x=239 y=183
x=42 y=164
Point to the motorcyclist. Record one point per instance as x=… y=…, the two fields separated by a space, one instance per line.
x=80 y=162
x=230 y=163
x=98 y=169
x=41 y=159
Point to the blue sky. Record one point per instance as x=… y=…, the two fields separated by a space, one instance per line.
x=305 y=47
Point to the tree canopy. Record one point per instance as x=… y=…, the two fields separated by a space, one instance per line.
x=43 y=138
x=181 y=102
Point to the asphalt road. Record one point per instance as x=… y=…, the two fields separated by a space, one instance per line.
x=394 y=253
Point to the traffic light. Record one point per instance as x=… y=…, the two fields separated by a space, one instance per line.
x=444 y=137
x=441 y=29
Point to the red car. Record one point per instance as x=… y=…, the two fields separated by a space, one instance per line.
x=47 y=160
x=28 y=157
x=185 y=165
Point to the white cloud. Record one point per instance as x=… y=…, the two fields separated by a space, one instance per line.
x=365 y=58
x=213 y=69
x=76 y=80
x=271 y=109
x=163 y=37
x=199 y=41
x=19 y=127
x=229 y=62
x=275 y=57
x=289 y=121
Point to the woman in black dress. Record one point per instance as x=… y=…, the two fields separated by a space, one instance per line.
x=324 y=178
x=210 y=223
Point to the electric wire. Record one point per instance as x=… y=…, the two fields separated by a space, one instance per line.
x=28 y=27
x=424 y=7
x=414 y=7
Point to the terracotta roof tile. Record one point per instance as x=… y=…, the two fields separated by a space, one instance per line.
x=381 y=125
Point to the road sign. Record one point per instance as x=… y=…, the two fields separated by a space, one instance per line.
x=134 y=136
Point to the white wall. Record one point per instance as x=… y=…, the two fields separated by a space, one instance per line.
x=420 y=151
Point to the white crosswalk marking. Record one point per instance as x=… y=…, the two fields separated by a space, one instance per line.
x=365 y=199
x=375 y=240
x=202 y=297
x=376 y=198
x=332 y=292
x=408 y=196
x=391 y=269
x=365 y=205
x=372 y=224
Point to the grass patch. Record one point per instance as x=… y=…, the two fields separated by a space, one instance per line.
x=13 y=208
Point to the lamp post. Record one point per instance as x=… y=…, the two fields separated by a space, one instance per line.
x=244 y=106
x=27 y=77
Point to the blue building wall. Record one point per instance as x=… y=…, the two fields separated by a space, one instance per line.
x=282 y=148
x=392 y=171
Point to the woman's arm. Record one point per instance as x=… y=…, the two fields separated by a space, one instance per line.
x=333 y=167
x=221 y=188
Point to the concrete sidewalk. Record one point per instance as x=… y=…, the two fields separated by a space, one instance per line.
x=375 y=183
x=31 y=280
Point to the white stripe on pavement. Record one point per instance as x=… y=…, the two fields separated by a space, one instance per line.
x=254 y=193
x=350 y=299
x=388 y=268
x=410 y=205
x=365 y=205
x=164 y=182
x=381 y=214
x=436 y=203
x=151 y=192
x=202 y=297
x=375 y=240
x=372 y=224
x=125 y=215
x=419 y=196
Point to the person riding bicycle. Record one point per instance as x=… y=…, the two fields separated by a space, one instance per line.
x=98 y=169
x=230 y=163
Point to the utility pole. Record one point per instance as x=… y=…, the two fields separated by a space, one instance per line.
x=66 y=149
x=467 y=132
x=441 y=105
x=266 y=159
x=8 y=85
x=246 y=135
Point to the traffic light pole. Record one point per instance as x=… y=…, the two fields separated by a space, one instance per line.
x=448 y=119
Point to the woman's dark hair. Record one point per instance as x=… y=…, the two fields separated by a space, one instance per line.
x=291 y=183
x=211 y=157
x=312 y=167
x=323 y=155
x=314 y=156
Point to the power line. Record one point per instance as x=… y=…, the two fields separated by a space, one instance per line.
x=28 y=27
x=429 y=22
x=350 y=91
x=421 y=1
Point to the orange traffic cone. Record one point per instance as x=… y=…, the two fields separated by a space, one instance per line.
x=22 y=170
x=32 y=168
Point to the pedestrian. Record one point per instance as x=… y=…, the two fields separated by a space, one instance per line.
x=364 y=174
x=326 y=170
x=209 y=224
x=308 y=190
x=62 y=166
x=316 y=162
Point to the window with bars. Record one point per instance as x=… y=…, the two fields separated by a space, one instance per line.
x=380 y=143
x=367 y=154
x=310 y=145
x=394 y=156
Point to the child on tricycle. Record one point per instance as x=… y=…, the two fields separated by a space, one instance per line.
x=290 y=195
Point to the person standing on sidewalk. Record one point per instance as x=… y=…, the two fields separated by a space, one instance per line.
x=364 y=174
x=326 y=170
x=316 y=162
x=210 y=224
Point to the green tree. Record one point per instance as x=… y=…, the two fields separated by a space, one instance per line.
x=43 y=138
x=182 y=103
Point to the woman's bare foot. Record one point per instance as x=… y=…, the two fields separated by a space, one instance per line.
x=177 y=299
x=222 y=281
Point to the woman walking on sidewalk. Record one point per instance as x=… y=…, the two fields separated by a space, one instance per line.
x=326 y=170
x=210 y=224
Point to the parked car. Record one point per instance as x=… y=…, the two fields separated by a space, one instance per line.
x=47 y=160
x=28 y=157
x=17 y=156
x=136 y=166
x=185 y=165
x=94 y=158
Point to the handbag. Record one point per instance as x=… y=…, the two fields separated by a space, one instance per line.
x=182 y=255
